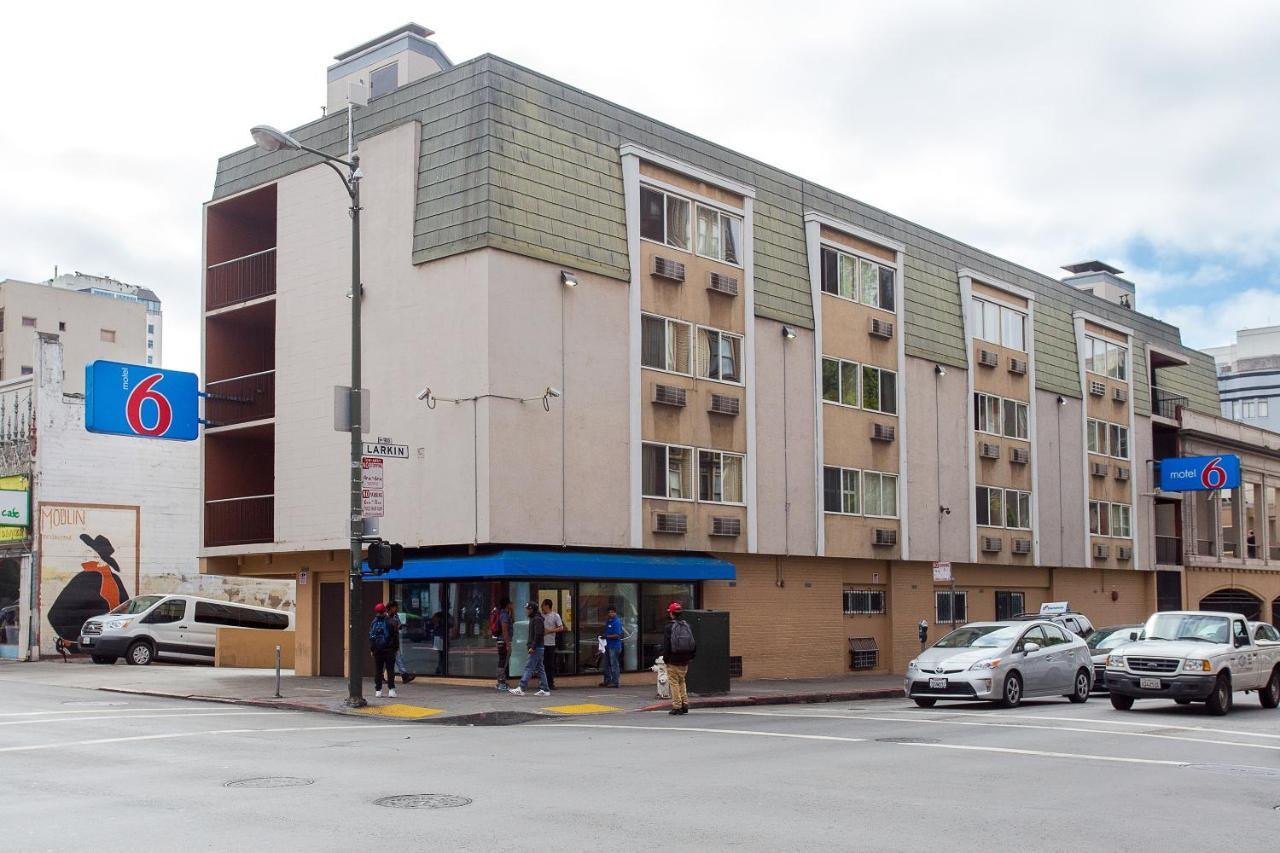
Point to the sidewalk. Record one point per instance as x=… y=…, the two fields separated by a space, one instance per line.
x=450 y=702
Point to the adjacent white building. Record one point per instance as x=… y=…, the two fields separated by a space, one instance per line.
x=1249 y=377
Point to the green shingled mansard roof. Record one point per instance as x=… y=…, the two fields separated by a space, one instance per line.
x=513 y=160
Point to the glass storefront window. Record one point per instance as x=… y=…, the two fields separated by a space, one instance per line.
x=657 y=597
x=470 y=648
x=10 y=577
x=425 y=625
x=593 y=602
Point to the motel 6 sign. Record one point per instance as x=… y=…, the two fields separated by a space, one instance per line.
x=1200 y=473
x=141 y=401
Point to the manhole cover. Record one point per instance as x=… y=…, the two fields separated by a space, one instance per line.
x=423 y=801
x=907 y=740
x=1237 y=770
x=270 y=782
x=81 y=704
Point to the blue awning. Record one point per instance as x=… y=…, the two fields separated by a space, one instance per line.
x=567 y=565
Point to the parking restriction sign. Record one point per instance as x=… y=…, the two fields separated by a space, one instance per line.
x=371 y=487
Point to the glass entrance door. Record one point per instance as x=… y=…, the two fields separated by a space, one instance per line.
x=564 y=654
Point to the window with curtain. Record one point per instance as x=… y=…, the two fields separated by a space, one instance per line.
x=664 y=343
x=1099 y=518
x=666 y=471
x=664 y=218
x=1121 y=515
x=719 y=355
x=879 y=494
x=719 y=476
x=840 y=490
x=986 y=413
x=719 y=235
x=1013 y=329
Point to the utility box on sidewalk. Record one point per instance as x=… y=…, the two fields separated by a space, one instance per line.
x=709 y=671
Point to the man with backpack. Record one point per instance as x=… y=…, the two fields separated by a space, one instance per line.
x=678 y=648
x=384 y=642
x=500 y=620
x=534 y=664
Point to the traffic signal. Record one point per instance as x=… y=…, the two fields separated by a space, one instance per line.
x=385 y=556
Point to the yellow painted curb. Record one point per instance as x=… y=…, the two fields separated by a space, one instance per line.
x=403 y=712
x=582 y=709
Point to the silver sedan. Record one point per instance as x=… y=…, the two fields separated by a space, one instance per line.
x=1002 y=662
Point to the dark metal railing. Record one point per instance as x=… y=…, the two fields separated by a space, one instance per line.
x=1204 y=548
x=239 y=521
x=1169 y=550
x=1166 y=405
x=240 y=279
x=241 y=399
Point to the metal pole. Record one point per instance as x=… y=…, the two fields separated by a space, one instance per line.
x=355 y=697
x=277 y=672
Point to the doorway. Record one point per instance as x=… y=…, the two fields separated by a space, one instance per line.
x=563 y=656
x=332 y=635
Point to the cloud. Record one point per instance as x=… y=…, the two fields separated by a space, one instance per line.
x=1231 y=311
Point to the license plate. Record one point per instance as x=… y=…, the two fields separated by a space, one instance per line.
x=1149 y=683
x=86 y=641
x=937 y=684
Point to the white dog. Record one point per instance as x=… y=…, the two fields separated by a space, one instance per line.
x=664 y=687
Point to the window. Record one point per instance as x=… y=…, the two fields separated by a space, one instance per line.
x=1118 y=440
x=839 y=381
x=1009 y=604
x=1013 y=328
x=1015 y=419
x=839 y=274
x=62 y=326
x=989 y=502
x=858 y=279
x=1248 y=409
x=664 y=218
x=1099 y=518
x=667 y=472
x=878 y=285
x=719 y=235
x=879 y=494
x=1096 y=436
x=998 y=324
x=384 y=80
x=1034 y=635
x=26 y=370
x=107 y=335
x=1105 y=358
x=216 y=613
x=719 y=355
x=171 y=610
x=952 y=607
x=262 y=619
x=986 y=413
x=1121 y=515
x=863 y=601
x=151 y=329
x=840 y=490
x=879 y=390
x=719 y=477
x=29 y=321
x=664 y=344
x=1017 y=509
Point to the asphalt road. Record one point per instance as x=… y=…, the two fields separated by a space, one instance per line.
x=86 y=770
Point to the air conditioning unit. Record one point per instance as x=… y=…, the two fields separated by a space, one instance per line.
x=1119 y=394
x=884 y=537
x=1022 y=546
x=1101 y=552
x=668 y=269
x=670 y=522
x=1098 y=469
x=992 y=544
x=669 y=395
x=1124 y=552
x=721 y=526
x=721 y=283
x=882 y=432
x=724 y=404
x=1020 y=456
x=989 y=450
x=1122 y=473
x=1017 y=365
x=1097 y=389
x=987 y=358
x=880 y=328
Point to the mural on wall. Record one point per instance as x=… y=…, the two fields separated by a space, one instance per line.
x=87 y=553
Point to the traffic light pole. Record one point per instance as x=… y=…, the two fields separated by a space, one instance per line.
x=355 y=648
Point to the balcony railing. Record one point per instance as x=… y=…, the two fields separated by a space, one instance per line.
x=239 y=521
x=242 y=399
x=1166 y=405
x=1169 y=550
x=240 y=279
x=1204 y=548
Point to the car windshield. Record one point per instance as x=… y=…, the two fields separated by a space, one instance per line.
x=1188 y=626
x=978 y=637
x=1108 y=638
x=136 y=605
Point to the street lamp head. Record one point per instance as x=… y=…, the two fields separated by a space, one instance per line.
x=269 y=139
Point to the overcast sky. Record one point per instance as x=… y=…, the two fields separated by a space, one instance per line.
x=1144 y=134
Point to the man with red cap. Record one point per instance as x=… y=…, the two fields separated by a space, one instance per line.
x=678 y=648
x=384 y=642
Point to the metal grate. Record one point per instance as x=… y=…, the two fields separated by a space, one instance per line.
x=1020 y=455
x=987 y=358
x=724 y=404
x=669 y=395
x=1098 y=469
x=1157 y=665
x=1124 y=552
x=1120 y=395
x=883 y=432
x=1098 y=389
x=270 y=782
x=863 y=653
x=992 y=544
x=884 y=536
x=989 y=451
x=1022 y=546
x=1101 y=552
x=721 y=283
x=1122 y=473
x=726 y=526
x=880 y=328
x=423 y=801
x=735 y=666
x=668 y=269
x=670 y=522
x=1017 y=365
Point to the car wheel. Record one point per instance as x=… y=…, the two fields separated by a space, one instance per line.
x=1121 y=703
x=104 y=659
x=1012 y=696
x=1183 y=701
x=1269 y=696
x=1219 y=701
x=1081 y=693
x=139 y=653
x=926 y=703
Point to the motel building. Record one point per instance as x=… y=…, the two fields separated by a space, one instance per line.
x=766 y=397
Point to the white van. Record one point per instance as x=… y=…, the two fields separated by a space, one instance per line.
x=173 y=627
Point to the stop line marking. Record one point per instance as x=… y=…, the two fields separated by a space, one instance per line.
x=168 y=735
x=120 y=716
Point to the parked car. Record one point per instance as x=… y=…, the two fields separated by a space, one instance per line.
x=1264 y=633
x=176 y=627
x=1100 y=642
x=1002 y=662
x=1194 y=656
x=1076 y=623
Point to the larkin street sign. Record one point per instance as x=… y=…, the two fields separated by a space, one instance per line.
x=386 y=450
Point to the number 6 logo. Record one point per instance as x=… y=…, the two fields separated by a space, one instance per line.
x=142 y=393
x=1214 y=476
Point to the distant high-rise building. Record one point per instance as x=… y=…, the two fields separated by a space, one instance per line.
x=101 y=285
x=1247 y=372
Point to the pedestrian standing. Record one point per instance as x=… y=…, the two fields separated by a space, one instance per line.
x=553 y=627
x=612 y=649
x=383 y=644
x=397 y=628
x=678 y=648
x=533 y=664
x=500 y=624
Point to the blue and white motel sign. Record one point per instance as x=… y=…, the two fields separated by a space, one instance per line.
x=1200 y=473
x=141 y=401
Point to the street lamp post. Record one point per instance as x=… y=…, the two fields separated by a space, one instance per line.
x=270 y=139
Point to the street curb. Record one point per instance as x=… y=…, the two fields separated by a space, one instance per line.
x=786 y=699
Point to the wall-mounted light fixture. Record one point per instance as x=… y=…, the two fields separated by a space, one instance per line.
x=939 y=370
x=568 y=279
x=789 y=333
x=1062 y=401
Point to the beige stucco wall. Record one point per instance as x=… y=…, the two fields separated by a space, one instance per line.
x=937 y=465
x=1059 y=446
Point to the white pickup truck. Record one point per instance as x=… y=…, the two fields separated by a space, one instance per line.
x=1194 y=656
